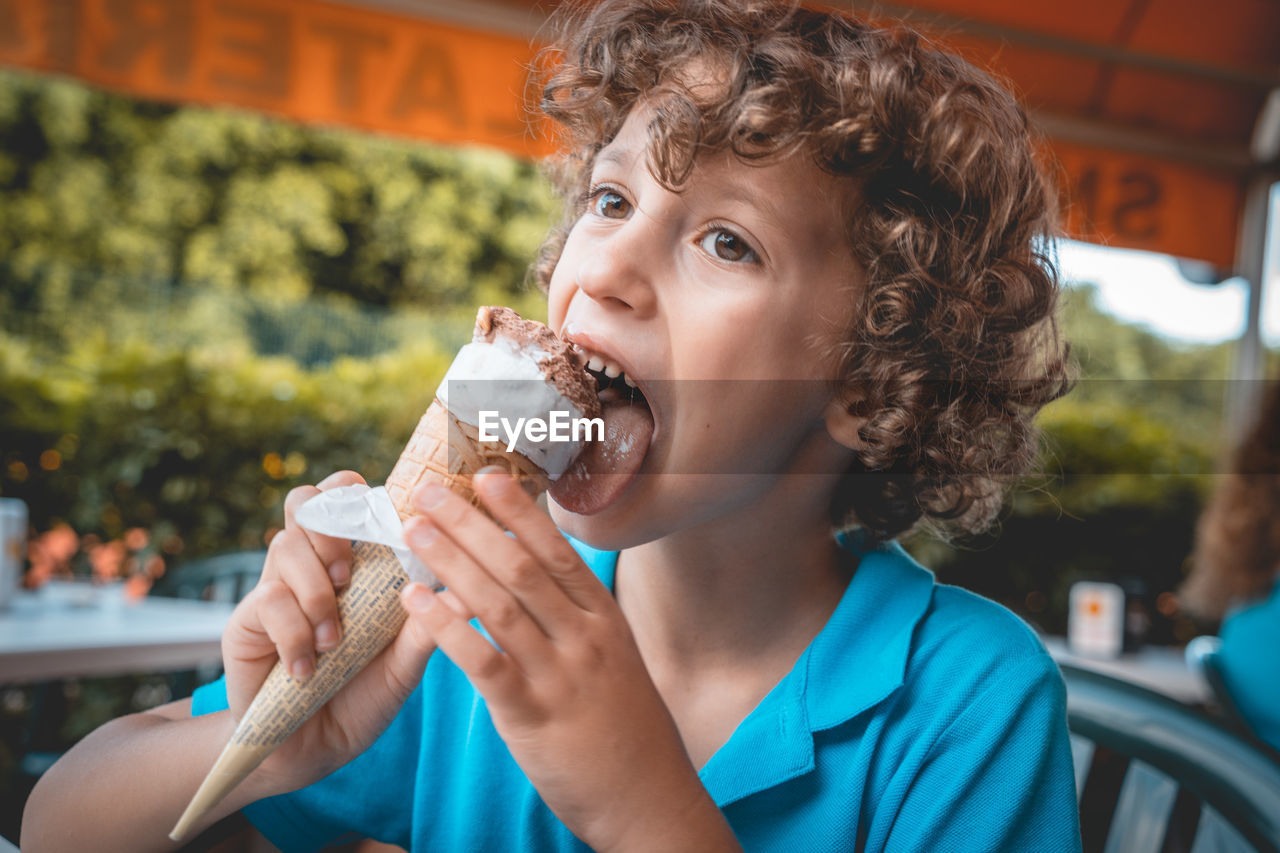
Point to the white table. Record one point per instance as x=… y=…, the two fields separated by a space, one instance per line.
x=43 y=638
x=1160 y=668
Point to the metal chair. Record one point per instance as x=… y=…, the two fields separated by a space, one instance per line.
x=1155 y=775
x=225 y=577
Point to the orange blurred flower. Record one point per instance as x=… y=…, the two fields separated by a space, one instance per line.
x=107 y=560
x=50 y=555
x=154 y=567
x=136 y=587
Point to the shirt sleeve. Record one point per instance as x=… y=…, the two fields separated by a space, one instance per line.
x=999 y=776
x=369 y=797
x=1249 y=665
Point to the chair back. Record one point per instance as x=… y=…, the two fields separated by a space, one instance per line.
x=1155 y=775
x=225 y=577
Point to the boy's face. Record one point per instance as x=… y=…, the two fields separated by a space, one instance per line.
x=745 y=277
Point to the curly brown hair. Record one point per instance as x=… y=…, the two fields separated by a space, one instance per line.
x=1237 y=547
x=955 y=347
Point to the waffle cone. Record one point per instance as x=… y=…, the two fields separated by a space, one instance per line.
x=442 y=450
x=449 y=451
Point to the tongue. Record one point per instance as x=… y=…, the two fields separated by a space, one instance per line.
x=604 y=468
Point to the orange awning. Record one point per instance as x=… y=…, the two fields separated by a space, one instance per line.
x=325 y=62
x=1154 y=108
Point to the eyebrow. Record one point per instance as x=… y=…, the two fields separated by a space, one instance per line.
x=615 y=157
x=747 y=195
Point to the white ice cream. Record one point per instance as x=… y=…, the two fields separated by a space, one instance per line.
x=505 y=376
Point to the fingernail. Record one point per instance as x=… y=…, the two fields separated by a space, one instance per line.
x=493 y=478
x=423 y=534
x=418 y=598
x=326 y=635
x=340 y=572
x=431 y=495
x=302 y=669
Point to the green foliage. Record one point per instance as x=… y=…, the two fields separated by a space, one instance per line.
x=100 y=194
x=198 y=446
x=1126 y=366
x=201 y=308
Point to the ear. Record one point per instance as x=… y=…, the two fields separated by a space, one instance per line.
x=844 y=419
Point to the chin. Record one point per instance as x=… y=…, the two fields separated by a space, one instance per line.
x=611 y=529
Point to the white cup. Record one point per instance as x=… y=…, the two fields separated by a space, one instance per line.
x=1095 y=619
x=13 y=547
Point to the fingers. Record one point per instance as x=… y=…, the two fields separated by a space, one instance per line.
x=295 y=603
x=333 y=553
x=501 y=613
x=271 y=609
x=535 y=531
x=506 y=560
x=300 y=495
x=297 y=497
x=493 y=673
x=300 y=568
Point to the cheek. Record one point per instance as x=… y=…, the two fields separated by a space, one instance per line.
x=746 y=426
x=749 y=340
x=719 y=335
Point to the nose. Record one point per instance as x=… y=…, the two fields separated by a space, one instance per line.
x=618 y=270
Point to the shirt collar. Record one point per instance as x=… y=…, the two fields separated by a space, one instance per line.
x=860 y=657
x=857 y=661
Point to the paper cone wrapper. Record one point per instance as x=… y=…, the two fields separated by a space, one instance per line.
x=443 y=450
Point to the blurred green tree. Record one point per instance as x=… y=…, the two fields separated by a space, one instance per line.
x=198 y=447
x=104 y=199
x=1129 y=456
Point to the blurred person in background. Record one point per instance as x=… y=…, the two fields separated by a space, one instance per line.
x=1236 y=562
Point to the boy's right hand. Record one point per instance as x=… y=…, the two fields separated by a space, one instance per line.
x=291 y=615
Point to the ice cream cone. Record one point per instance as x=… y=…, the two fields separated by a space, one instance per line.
x=445 y=449
x=448 y=450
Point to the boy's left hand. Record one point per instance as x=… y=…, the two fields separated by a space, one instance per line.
x=565 y=685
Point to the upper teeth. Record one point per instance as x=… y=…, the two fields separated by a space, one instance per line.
x=600 y=364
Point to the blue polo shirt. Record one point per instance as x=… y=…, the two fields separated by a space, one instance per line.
x=922 y=717
x=1247 y=656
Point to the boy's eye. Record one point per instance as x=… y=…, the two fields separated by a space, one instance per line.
x=727 y=246
x=609 y=204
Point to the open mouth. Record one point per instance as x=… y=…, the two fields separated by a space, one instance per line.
x=604 y=468
x=612 y=383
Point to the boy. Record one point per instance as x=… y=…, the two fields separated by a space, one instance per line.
x=846 y=226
